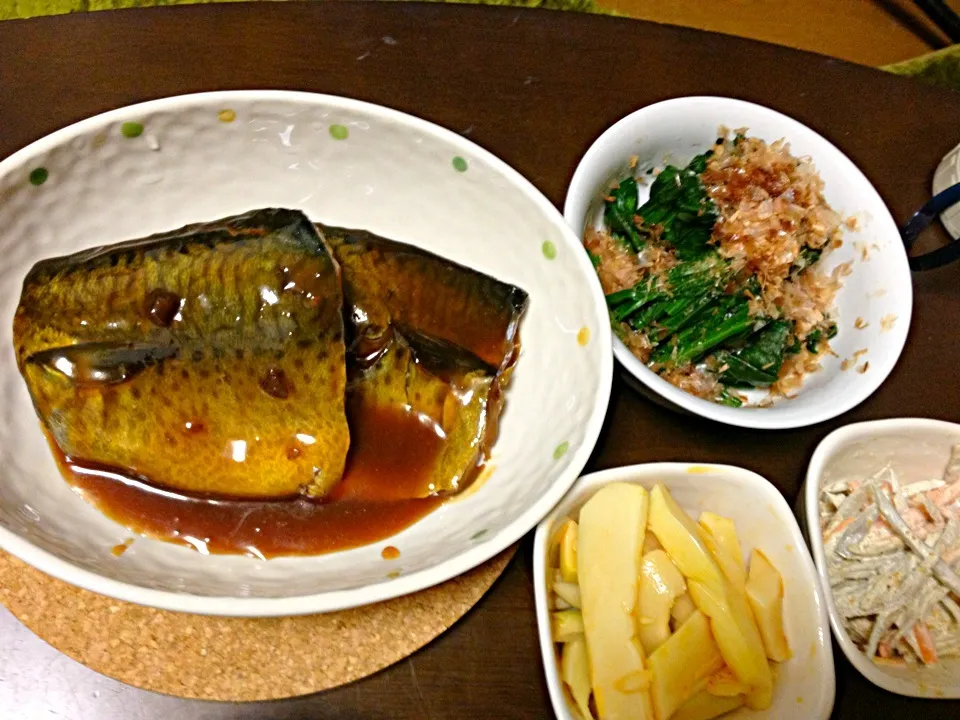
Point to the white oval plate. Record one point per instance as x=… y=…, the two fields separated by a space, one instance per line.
x=879 y=292
x=805 y=686
x=344 y=162
x=930 y=443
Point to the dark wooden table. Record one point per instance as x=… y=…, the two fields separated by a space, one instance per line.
x=535 y=87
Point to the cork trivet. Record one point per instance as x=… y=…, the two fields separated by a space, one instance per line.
x=235 y=659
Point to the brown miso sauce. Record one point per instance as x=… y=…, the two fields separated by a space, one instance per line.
x=120 y=548
x=390 y=553
x=391 y=455
x=382 y=492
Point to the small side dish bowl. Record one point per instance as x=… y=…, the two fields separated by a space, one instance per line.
x=916 y=446
x=163 y=164
x=805 y=685
x=872 y=308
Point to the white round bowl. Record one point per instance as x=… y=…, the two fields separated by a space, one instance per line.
x=879 y=287
x=947 y=174
x=343 y=162
x=927 y=455
x=806 y=685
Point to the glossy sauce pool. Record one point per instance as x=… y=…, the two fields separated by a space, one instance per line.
x=390 y=457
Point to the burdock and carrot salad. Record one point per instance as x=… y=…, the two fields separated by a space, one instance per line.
x=716 y=282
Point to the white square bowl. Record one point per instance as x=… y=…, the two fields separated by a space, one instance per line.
x=930 y=443
x=805 y=686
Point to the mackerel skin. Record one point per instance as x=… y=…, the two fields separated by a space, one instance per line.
x=208 y=360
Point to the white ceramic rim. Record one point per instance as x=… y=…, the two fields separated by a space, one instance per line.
x=498 y=541
x=946 y=174
x=811 y=492
x=750 y=418
x=591 y=482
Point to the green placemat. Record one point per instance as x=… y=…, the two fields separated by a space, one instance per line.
x=939 y=68
x=12 y=9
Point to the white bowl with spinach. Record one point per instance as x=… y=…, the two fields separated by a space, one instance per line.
x=753 y=275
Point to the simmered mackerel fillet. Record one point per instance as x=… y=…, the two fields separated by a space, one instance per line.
x=390 y=282
x=209 y=360
x=447 y=390
x=429 y=337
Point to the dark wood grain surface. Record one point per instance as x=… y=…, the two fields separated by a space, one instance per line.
x=534 y=87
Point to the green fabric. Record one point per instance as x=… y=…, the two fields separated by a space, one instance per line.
x=11 y=9
x=939 y=68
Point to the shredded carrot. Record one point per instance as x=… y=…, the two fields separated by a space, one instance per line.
x=928 y=652
x=884 y=651
x=950 y=556
x=945 y=495
x=844 y=524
